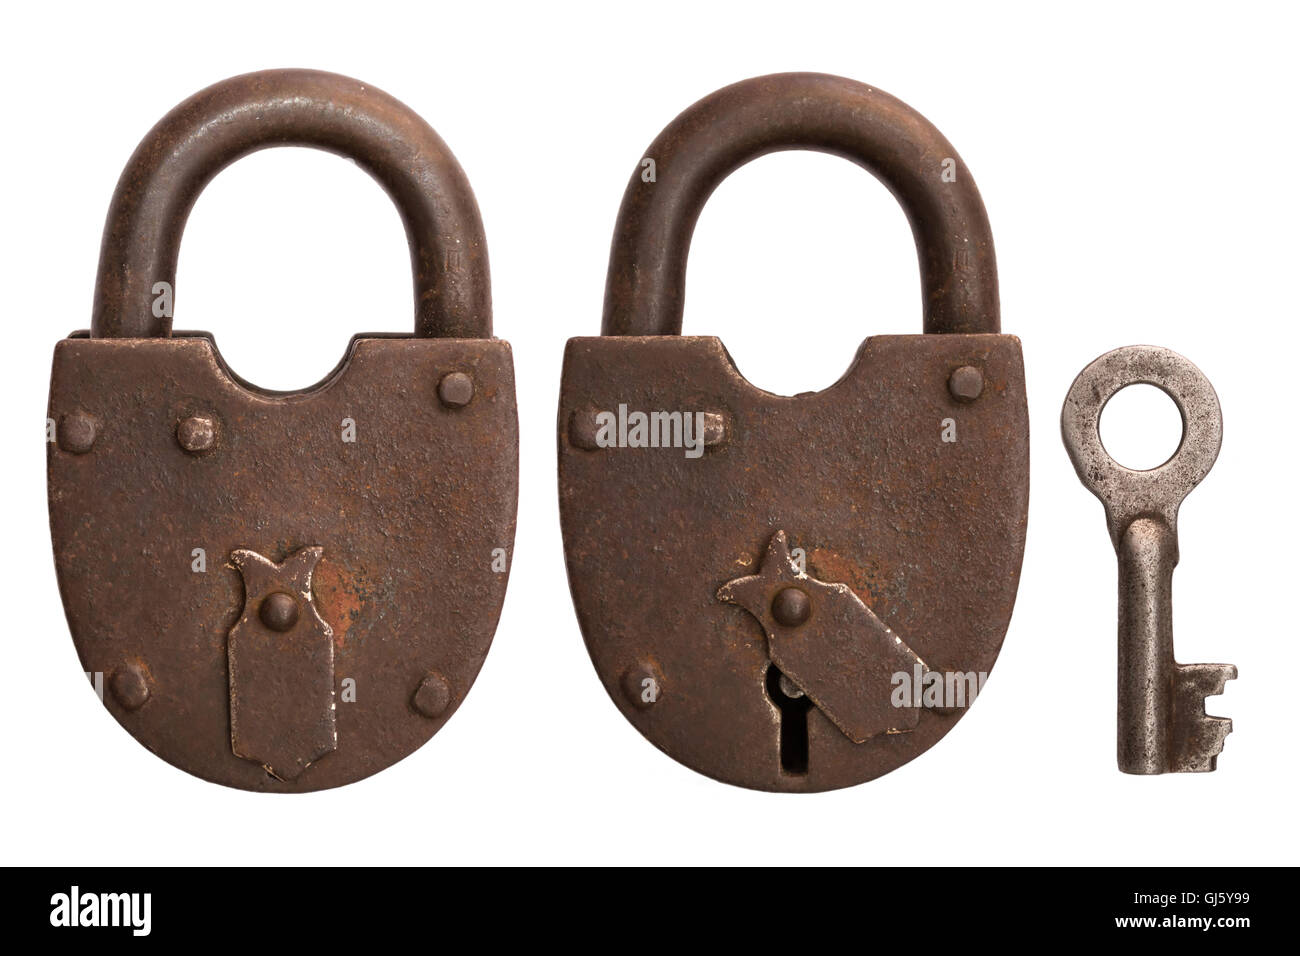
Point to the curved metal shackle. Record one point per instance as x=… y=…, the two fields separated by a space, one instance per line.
x=645 y=289
x=243 y=114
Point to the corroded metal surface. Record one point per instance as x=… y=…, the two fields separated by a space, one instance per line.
x=1162 y=724
x=828 y=643
x=281 y=658
x=646 y=285
x=289 y=591
x=903 y=488
x=408 y=517
x=241 y=115
x=927 y=534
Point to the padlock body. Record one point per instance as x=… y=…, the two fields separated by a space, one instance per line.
x=410 y=501
x=885 y=482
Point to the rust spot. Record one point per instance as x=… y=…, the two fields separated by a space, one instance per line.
x=864 y=577
x=339 y=596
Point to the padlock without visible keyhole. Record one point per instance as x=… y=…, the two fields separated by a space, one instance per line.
x=285 y=591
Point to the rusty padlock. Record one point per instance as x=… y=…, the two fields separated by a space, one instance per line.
x=795 y=593
x=284 y=591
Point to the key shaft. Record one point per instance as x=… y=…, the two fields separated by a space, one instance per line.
x=1147 y=555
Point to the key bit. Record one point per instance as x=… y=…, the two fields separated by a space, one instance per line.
x=1163 y=726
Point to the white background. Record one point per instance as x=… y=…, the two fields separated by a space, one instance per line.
x=1138 y=166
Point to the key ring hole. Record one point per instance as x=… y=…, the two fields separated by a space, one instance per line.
x=1141 y=427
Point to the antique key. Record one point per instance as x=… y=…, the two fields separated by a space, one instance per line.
x=1163 y=727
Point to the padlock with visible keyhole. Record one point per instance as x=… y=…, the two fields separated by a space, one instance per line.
x=815 y=587
x=285 y=591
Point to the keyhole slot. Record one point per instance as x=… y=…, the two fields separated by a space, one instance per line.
x=794 y=707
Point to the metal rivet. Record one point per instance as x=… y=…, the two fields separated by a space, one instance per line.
x=432 y=697
x=77 y=433
x=455 y=390
x=196 y=434
x=279 y=611
x=642 y=686
x=582 y=429
x=715 y=428
x=129 y=686
x=966 y=383
x=790 y=607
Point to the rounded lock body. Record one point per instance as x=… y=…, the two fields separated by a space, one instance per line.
x=795 y=593
x=284 y=591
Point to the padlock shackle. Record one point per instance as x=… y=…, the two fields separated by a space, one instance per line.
x=645 y=288
x=238 y=116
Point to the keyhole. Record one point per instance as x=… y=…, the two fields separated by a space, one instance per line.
x=794 y=707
